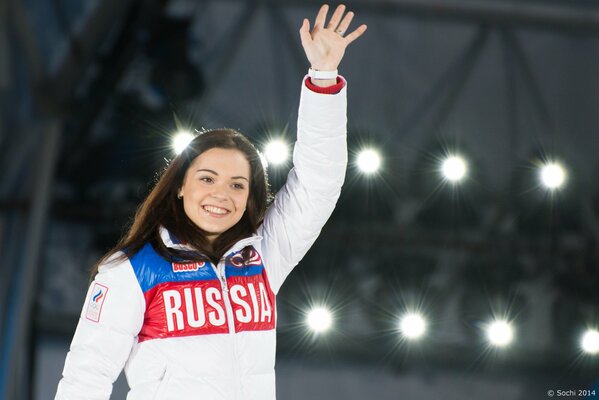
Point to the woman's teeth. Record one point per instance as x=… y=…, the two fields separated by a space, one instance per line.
x=215 y=210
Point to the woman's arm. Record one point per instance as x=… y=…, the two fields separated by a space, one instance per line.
x=302 y=207
x=111 y=318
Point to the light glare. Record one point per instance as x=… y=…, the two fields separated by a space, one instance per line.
x=454 y=168
x=500 y=333
x=181 y=140
x=553 y=175
x=590 y=342
x=263 y=160
x=319 y=319
x=276 y=152
x=412 y=326
x=369 y=161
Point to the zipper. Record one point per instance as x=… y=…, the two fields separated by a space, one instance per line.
x=221 y=273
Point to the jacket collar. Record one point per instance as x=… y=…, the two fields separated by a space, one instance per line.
x=172 y=241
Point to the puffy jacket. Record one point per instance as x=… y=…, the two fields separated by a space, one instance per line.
x=202 y=331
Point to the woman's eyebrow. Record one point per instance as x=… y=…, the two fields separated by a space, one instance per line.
x=216 y=173
x=207 y=170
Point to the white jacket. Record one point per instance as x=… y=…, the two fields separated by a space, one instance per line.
x=199 y=331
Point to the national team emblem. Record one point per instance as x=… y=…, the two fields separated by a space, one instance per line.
x=237 y=260
x=96 y=301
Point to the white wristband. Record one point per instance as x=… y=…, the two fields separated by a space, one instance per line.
x=316 y=74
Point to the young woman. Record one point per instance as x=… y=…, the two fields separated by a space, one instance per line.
x=186 y=301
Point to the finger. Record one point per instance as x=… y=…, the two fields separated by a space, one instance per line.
x=305 y=32
x=355 y=34
x=345 y=23
x=336 y=17
x=321 y=16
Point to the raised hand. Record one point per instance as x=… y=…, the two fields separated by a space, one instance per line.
x=325 y=45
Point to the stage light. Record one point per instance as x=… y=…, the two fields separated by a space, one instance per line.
x=319 y=319
x=454 y=168
x=590 y=341
x=500 y=333
x=369 y=161
x=553 y=175
x=276 y=152
x=412 y=326
x=181 y=140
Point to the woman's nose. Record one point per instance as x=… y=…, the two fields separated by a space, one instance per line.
x=219 y=192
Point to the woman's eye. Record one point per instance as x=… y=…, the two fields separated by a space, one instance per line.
x=238 y=186
x=206 y=179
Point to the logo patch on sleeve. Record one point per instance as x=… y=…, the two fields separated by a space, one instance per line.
x=94 y=307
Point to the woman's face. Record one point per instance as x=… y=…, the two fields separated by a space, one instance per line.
x=215 y=190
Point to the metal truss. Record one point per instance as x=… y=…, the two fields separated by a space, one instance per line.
x=25 y=209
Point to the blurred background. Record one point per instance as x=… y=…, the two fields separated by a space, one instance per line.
x=462 y=261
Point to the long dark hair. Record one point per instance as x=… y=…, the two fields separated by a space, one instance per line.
x=162 y=207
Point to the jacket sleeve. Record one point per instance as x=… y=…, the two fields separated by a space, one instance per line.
x=111 y=318
x=304 y=204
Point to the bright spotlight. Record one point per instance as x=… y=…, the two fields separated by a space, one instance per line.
x=412 y=326
x=500 y=333
x=553 y=175
x=181 y=140
x=319 y=319
x=276 y=152
x=369 y=161
x=590 y=341
x=454 y=168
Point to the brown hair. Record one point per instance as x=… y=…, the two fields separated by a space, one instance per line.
x=162 y=207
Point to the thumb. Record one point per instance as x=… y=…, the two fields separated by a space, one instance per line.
x=305 y=32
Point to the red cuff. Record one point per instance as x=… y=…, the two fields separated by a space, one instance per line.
x=333 y=89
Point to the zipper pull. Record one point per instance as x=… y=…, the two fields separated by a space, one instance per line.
x=223 y=280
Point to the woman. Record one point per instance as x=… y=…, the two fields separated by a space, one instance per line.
x=186 y=301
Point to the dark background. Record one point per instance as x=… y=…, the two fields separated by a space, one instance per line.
x=92 y=91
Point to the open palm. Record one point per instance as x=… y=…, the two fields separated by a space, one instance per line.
x=325 y=46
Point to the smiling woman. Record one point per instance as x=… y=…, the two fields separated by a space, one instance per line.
x=185 y=302
x=216 y=188
x=212 y=195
